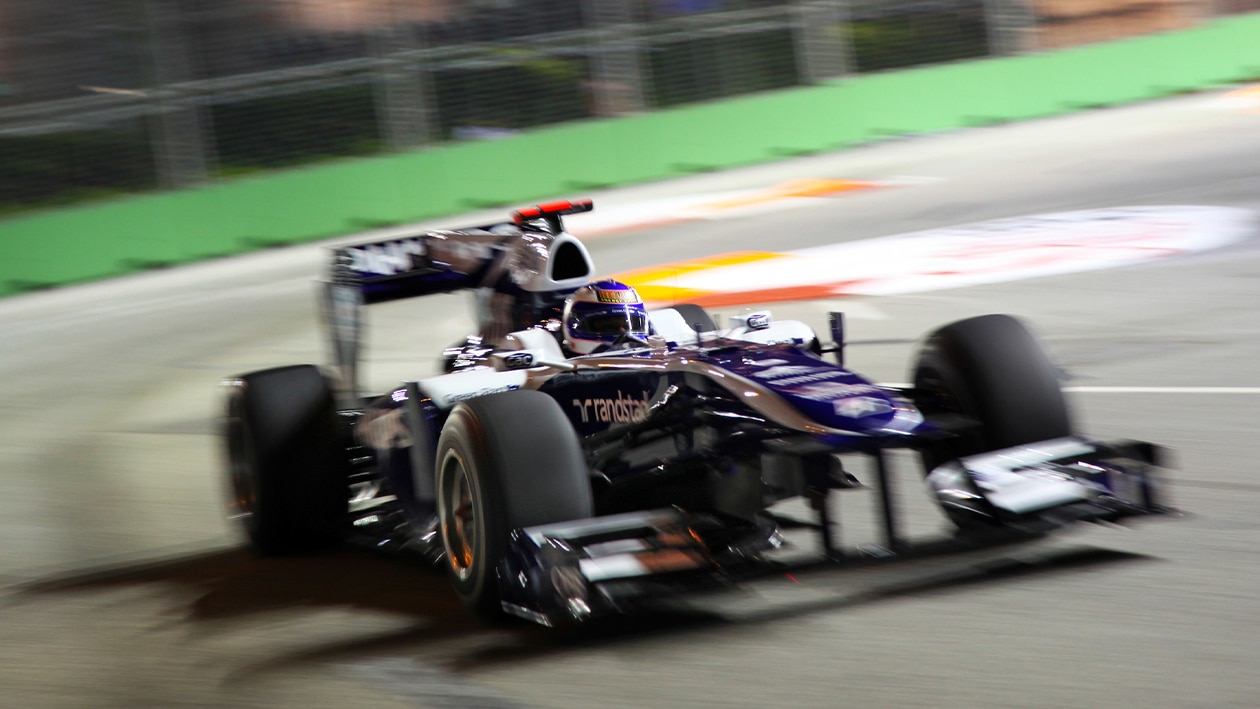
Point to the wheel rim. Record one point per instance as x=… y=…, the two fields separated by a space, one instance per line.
x=940 y=396
x=460 y=519
x=240 y=465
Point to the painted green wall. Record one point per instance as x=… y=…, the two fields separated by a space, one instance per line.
x=118 y=236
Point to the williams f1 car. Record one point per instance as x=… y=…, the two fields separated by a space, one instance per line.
x=559 y=487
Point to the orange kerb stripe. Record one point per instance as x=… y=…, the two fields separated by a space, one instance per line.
x=653 y=275
x=720 y=299
x=1245 y=92
x=653 y=282
x=807 y=187
x=669 y=295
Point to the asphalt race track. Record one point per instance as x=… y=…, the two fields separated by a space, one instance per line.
x=124 y=586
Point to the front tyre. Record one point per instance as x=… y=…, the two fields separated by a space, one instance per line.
x=992 y=370
x=287 y=468
x=504 y=461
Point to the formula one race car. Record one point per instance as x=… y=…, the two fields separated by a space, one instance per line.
x=558 y=486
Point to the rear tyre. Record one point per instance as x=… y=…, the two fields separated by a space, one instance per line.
x=992 y=370
x=287 y=467
x=504 y=461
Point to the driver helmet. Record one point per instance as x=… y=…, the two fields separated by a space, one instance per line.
x=600 y=313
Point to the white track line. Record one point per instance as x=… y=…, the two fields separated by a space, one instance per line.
x=1129 y=389
x=1162 y=390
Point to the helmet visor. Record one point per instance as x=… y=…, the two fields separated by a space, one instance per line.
x=615 y=323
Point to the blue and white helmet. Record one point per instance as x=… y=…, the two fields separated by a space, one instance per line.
x=599 y=313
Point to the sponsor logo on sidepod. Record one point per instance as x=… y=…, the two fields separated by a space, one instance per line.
x=860 y=406
x=622 y=409
x=787 y=371
x=833 y=391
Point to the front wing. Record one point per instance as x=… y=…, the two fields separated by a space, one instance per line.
x=582 y=569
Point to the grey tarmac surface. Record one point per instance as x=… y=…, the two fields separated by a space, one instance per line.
x=124 y=586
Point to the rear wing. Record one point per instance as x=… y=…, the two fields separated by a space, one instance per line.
x=445 y=261
x=520 y=270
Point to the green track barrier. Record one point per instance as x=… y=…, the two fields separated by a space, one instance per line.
x=110 y=238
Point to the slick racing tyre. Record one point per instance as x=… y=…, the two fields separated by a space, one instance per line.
x=503 y=461
x=287 y=467
x=992 y=371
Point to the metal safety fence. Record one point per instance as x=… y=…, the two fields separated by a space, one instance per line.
x=101 y=97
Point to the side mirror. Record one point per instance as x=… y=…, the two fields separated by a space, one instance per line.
x=835 y=322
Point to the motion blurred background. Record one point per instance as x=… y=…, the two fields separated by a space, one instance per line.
x=102 y=97
x=144 y=133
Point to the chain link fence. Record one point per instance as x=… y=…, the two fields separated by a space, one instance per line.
x=101 y=97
